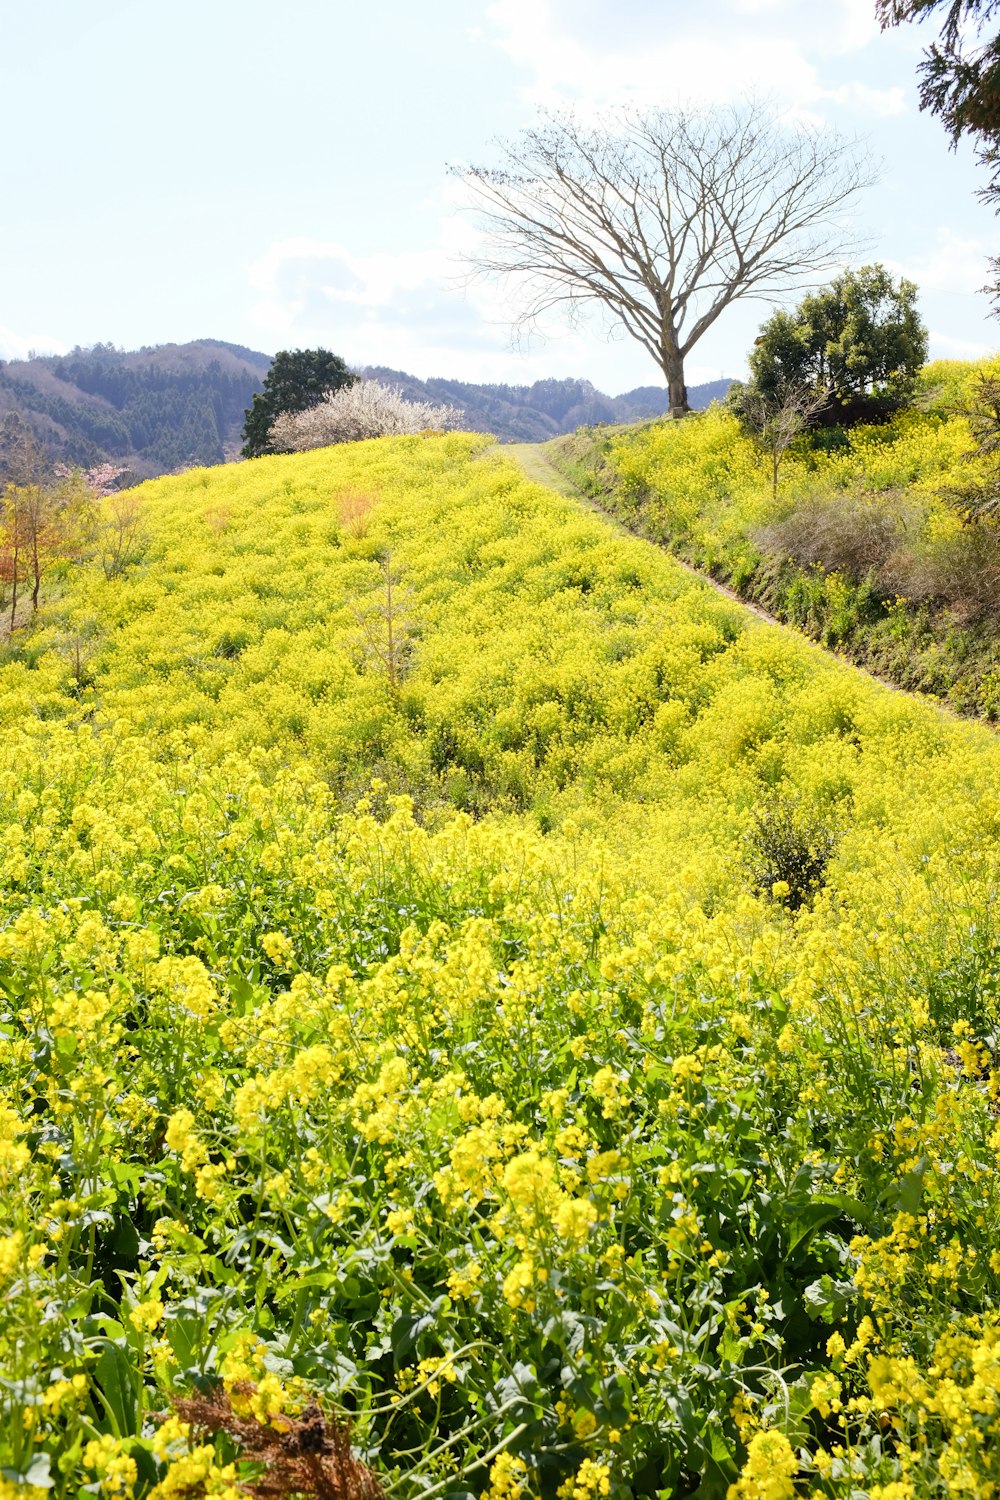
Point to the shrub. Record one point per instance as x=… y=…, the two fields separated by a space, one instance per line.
x=368 y=409
x=786 y=851
x=861 y=339
x=849 y=533
x=961 y=571
x=297 y=379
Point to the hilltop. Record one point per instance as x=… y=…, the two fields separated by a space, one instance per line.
x=171 y=406
x=458 y=967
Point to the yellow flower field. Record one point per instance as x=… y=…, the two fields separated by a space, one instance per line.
x=457 y=969
x=866 y=541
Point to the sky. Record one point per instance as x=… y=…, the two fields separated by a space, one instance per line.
x=279 y=176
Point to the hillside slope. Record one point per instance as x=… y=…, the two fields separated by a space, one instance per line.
x=455 y=965
x=148 y=410
x=866 y=545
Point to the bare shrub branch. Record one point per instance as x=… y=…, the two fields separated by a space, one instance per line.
x=854 y=534
x=777 y=420
x=121 y=537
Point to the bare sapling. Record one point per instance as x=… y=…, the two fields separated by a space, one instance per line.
x=776 y=421
x=12 y=550
x=387 y=626
x=122 y=540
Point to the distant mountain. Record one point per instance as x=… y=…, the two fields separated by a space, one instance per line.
x=171 y=406
x=150 y=410
x=532 y=413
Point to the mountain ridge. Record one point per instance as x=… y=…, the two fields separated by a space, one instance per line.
x=167 y=407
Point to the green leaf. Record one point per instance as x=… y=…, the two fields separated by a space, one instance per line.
x=117 y=1385
x=806 y=1219
x=826 y=1300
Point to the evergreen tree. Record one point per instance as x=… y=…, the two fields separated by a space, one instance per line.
x=860 y=340
x=22 y=461
x=297 y=379
x=960 y=73
x=960 y=83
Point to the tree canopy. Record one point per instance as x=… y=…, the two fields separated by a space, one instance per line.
x=297 y=379
x=960 y=74
x=662 y=218
x=860 y=339
x=960 y=83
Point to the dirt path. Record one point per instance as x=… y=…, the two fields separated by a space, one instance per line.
x=537 y=467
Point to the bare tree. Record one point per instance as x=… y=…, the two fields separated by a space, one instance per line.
x=41 y=526
x=386 y=626
x=777 y=419
x=664 y=217
x=121 y=537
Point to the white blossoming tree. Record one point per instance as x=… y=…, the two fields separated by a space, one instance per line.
x=367 y=409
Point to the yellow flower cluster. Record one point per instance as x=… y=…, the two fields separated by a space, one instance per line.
x=426 y=1020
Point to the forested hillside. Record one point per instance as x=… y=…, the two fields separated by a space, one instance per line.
x=532 y=413
x=152 y=411
x=148 y=411
x=456 y=968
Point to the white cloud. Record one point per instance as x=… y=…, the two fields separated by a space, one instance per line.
x=765 y=46
x=878 y=103
x=411 y=310
x=20 y=345
x=620 y=66
x=848 y=26
x=943 y=346
x=952 y=263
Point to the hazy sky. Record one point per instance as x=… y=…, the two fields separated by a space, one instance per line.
x=276 y=176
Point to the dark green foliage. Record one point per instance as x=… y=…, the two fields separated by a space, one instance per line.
x=787 y=851
x=160 y=409
x=960 y=82
x=21 y=458
x=861 y=338
x=297 y=379
x=959 y=76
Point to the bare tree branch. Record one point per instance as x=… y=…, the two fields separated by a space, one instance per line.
x=663 y=218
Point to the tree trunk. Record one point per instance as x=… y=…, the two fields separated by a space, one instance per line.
x=673 y=369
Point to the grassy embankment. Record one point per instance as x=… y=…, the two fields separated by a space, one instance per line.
x=558 y=1031
x=865 y=547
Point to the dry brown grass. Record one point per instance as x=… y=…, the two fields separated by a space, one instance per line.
x=854 y=534
x=310 y=1456
x=961 y=571
x=217 y=518
x=879 y=537
x=354 y=508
